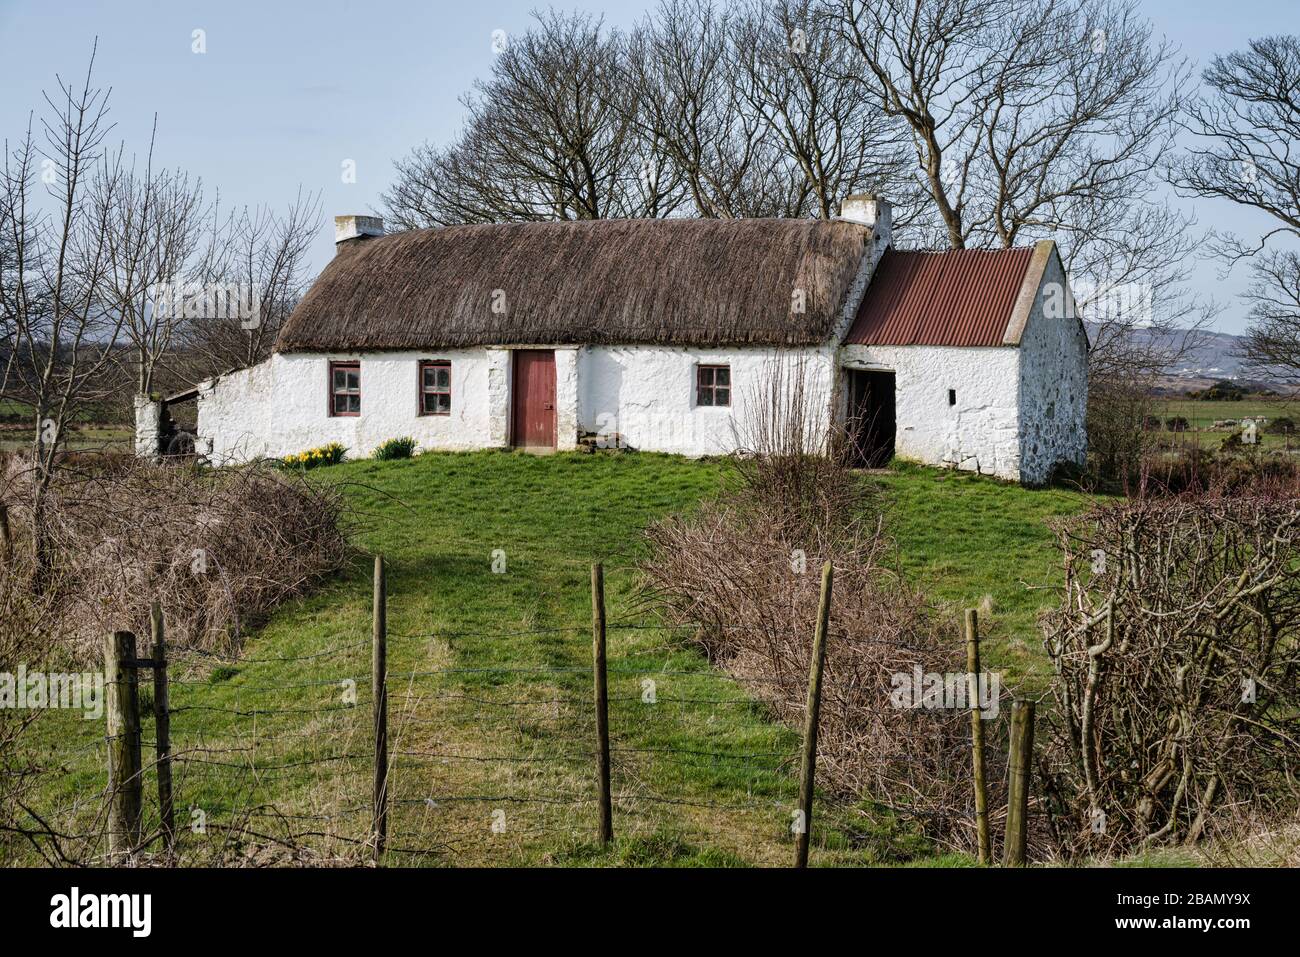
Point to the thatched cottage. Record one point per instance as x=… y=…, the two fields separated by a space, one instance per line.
x=659 y=334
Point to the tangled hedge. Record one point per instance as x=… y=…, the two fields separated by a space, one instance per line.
x=219 y=548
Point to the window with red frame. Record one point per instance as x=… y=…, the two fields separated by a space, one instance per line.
x=345 y=388
x=713 y=385
x=435 y=387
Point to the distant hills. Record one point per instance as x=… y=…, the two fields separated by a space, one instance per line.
x=1213 y=357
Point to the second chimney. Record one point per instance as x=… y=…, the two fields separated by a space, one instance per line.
x=351 y=231
x=872 y=211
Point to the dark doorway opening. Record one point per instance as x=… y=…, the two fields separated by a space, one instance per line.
x=178 y=424
x=871 y=423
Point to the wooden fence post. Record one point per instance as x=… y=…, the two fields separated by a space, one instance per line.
x=812 y=713
x=600 y=679
x=6 y=536
x=977 y=733
x=379 y=689
x=162 y=726
x=122 y=711
x=1021 y=760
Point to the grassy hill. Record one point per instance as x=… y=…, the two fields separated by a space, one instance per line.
x=489 y=676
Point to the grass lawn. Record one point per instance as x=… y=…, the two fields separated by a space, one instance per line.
x=972 y=542
x=490 y=711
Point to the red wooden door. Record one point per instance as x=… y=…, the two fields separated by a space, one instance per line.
x=534 y=399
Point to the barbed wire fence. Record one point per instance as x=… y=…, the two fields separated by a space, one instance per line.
x=455 y=764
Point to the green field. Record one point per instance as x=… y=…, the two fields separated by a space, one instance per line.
x=85 y=433
x=80 y=438
x=490 y=703
x=970 y=541
x=1202 y=415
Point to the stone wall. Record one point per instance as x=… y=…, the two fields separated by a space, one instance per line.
x=148 y=427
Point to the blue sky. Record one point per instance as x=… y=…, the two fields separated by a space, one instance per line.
x=287 y=91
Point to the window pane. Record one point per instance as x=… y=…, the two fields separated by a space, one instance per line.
x=443 y=401
x=354 y=380
x=444 y=377
x=428 y=377
x=339 y=379
x=428 y=402
x=354 y=403
x=722 y=376
x=722 y=397
x=706 y=396
x=706 y=376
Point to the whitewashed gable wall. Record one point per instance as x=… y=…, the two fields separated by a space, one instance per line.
x=980 y=433
x=1053 y=383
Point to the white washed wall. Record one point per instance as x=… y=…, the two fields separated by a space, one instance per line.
x=281 y=406
x=1053 y=388
x=646 y=394
x=981 y=432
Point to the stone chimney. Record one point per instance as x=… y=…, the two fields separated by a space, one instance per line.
x=872 y=211
x=350 y=231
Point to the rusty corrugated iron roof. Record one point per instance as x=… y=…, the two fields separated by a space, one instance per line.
x=960 y=297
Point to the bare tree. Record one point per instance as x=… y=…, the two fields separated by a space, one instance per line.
x=58 y=320
x=1142 y=324
x=153 y=228
x=797 y=75
x=716 y=112
x=545 y=139
x=1033 y=121
x=1273 y=336
x=926 y=64
x=681 y=68
x=754 y=108
x=1022 y=115
x=261 y=257
x=1246 y=149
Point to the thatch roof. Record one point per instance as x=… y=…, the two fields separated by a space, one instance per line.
x=678 y=281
